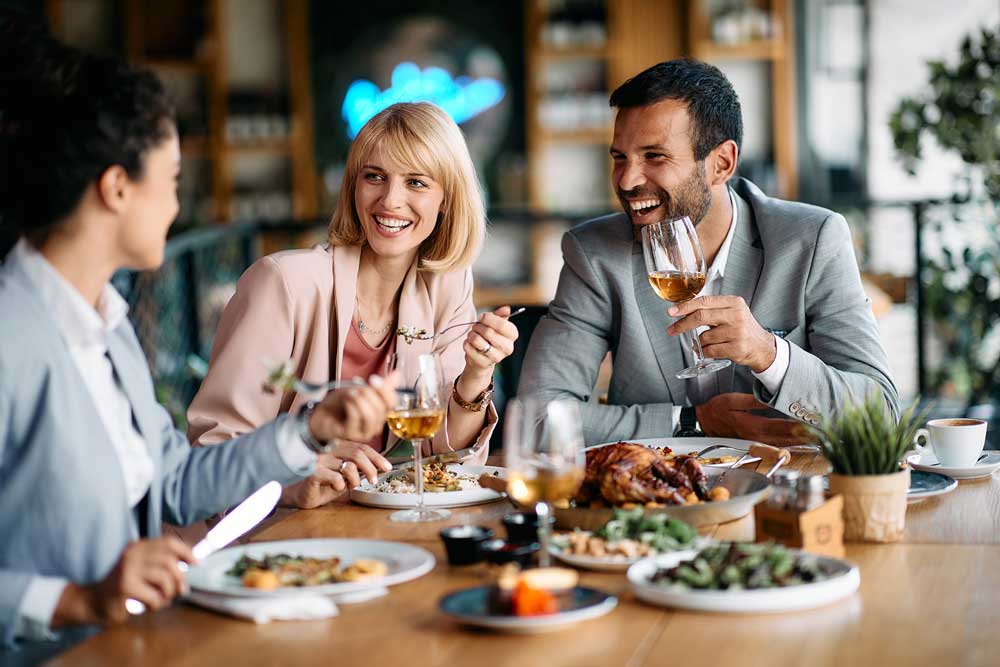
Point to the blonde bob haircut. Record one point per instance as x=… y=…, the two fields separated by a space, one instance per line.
x=424 y=138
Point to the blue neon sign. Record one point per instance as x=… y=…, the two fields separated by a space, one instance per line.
x=461 y=97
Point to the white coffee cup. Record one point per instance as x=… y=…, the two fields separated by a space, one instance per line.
x=957 y=443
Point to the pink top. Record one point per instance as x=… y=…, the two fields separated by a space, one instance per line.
x=361 y=360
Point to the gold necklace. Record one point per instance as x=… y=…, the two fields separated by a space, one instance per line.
x=363 y=328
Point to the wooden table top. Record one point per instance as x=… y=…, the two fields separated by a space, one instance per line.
x=928 y=600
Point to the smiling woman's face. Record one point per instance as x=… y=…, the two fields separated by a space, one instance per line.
x=398 y=206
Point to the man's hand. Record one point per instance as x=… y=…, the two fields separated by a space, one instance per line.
x=734 y=333
x=357 y=413
x=728 y=416
x=146 y=571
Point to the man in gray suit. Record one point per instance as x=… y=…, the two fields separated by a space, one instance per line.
x=783 y=297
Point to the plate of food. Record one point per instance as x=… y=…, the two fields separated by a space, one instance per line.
x=445 y=485
x=528 y=602
x=720 y=451
x=625 y=475
x=743 y=578
x=630 y=536
x=316 y=566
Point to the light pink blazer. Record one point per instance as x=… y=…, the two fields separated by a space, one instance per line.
x=298 y=305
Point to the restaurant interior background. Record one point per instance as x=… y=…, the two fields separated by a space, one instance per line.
x=269 y=94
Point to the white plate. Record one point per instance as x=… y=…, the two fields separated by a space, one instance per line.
x=603 y=564
x=770 y=600
x=470 y=606
x=928 y=462
x=734 y=447
x=405 y=562
x=366 y=495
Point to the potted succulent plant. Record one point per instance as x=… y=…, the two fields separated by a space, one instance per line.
x=865 y=446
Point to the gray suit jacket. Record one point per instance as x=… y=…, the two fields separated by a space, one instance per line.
x=792 y=263
x=65 y=512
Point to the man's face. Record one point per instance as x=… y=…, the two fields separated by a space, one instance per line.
x=655 y=173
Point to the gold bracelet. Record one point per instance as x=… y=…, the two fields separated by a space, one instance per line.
x=476 y=405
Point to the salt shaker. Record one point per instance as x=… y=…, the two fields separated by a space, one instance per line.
x=783 y=492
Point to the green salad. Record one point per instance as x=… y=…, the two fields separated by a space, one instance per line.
x=735 y=566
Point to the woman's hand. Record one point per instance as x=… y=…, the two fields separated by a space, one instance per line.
x=488 y=343
x=337 y=470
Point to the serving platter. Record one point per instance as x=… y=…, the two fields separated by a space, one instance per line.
x=366 y=493
x=404 y=562
x=843 y=583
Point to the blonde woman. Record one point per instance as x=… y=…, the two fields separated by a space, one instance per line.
x=409 y=223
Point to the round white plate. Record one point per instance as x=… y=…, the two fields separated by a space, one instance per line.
x=405 y=562
x=733 y=447
x=984 y=468
x=603 y=564
x=365 y=495
x=471 y=607
x=769 y=600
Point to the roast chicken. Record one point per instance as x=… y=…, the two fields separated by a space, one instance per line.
x=629 y=473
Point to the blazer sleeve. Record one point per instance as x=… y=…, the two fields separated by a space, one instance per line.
x=460 y=308
x=845 y=360
x=13 y=584
x=256 y=324
x=568 y=346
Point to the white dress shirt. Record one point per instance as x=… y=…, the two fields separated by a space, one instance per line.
x=772 y=376
x=85 y=331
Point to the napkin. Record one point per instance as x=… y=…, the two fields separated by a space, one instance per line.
x=282 y=608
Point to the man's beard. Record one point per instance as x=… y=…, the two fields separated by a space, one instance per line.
x=692 y=198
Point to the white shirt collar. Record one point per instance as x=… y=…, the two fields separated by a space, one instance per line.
x=78 y=322
x=718 y=268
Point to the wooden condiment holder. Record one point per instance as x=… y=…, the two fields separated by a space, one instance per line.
x=819 y=530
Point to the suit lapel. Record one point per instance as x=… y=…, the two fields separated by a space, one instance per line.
x=745 y=256
x=666 y=348
x=129 y=377
x=346 y=260
x=415 y=311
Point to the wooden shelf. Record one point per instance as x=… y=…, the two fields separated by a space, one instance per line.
x=261 y=147
x=763 y=49
x=586 y=135
x=546 y=52
x=177 y=65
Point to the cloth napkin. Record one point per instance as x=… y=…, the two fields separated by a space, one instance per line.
x=282 y=608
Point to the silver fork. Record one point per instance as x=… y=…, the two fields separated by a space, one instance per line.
x=281 y=377
x=422 y=334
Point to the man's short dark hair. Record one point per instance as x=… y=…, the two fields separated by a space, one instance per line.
x=711 y=100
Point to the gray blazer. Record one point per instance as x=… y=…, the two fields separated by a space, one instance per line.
x=65 y=512
x=793 y=264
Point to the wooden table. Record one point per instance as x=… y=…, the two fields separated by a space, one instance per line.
x=931 y=599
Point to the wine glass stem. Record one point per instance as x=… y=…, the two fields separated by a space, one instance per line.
x=542 y=512
x=418 y=468
x=696 y=350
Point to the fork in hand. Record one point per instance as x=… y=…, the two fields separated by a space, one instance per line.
x=281 y=377
x=410 y=335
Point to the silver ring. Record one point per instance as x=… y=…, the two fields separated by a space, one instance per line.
x=343 y=464
x=486 y=350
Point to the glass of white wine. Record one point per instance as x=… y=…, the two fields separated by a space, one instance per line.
x=543 y=453
x=418 y=414
x=675 y=266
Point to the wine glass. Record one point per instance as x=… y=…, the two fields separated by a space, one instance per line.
x=543 y=452
x=675 y=266
x=417 y=415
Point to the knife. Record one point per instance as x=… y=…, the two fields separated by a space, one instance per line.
x=445 y=457
x=245 y=516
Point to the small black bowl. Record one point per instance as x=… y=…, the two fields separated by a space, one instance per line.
x=499 y=552
x=462 y=543
x=522 y=527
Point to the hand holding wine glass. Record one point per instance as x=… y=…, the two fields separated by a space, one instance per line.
x=543 y=450
x=675 y=266
x=417 y=415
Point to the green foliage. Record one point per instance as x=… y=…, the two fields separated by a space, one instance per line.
x=864 y=439
x=961 y=110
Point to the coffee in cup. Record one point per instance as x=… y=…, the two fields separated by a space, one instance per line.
x=957 y=443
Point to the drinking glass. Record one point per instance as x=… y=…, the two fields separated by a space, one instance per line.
x=675 y=266
x=418 y=414
x=543 y=452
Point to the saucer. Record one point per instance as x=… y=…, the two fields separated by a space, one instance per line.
x=925 y=484
x=928 y=462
